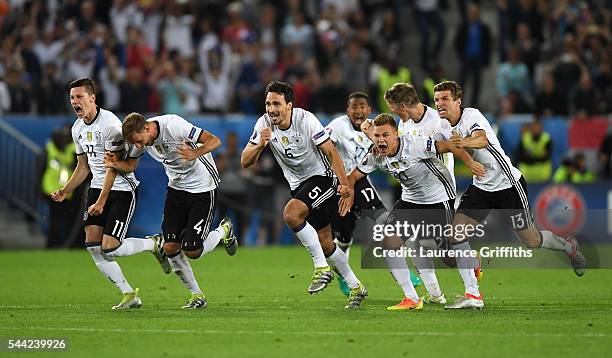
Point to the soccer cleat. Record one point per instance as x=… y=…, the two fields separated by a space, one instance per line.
x=478 y=270
x=158 y=252
x=357 y=295
x=434 y=299
x=130 y=300
x=346 y=290
x=229 y=240
x=321 y=277
x=415 y=279
x=407 y=304
x=196 y=301
x=576 y=257
x=467 y=301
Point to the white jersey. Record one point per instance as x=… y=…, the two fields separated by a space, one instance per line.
x=424 y=178
x=352 y=144
x=196 y=176
x=296 y=148
x=430 y=125
x=103 y=134
x=500 y=173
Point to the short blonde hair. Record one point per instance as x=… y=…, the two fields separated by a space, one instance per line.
x=402 y=93
x=383 y=119
x=133 y=123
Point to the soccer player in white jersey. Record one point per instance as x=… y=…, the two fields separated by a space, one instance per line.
x=503 y=187
x=185 y=152
x=353 y=145
x=309 y=161
x=428 y=197
x=109 y=210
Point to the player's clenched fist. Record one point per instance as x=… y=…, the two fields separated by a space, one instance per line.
x=59 y=195
x=266 y=135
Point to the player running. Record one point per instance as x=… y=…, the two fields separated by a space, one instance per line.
x=191 y=194
x=428 y=196
x=309 y=161
x=503 y=187
x=111 y=198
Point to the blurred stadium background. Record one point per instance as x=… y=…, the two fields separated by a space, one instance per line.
x=520 y=62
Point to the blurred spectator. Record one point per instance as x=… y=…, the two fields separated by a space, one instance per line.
x=51 y=93
x=60 y=159
x=473 y=46
x=551 y=101
x=355 y=65
x=584 y=99
x=151 y=23
x=534 y=153
x=513 y=75
x=567 y=69
x=110 y=77
x=605 y=156
x=299 y=35
x=135 y=93
x=20 y=93
x=170 y=89
x=177 y=29
x=528 y=48
x=387 y=76
x=386 y=35
x=249 y=85
x=81 y=60
x=122 y=14
x=30 y=60
x=48 y=48
x=435 y=76
x=574 y=171
x=215 y=68
x=268 y=35
x=333 y=88
x=5 y=97
x=136 y=48
x=233 y=188
x=428 y=19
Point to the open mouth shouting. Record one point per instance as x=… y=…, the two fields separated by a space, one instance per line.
x=274 y=117
x=78 y=110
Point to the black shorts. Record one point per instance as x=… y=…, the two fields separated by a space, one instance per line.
x=438 y=216
x=188 y=216
x=319 y=194
x=366 y=202
x=477 y=203
x=117 y=214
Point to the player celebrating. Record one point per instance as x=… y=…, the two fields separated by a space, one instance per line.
x=503 y=187
x=109 y=211
x=191 y=195
x=309 y=161
x=353 y=145
x=428 y=196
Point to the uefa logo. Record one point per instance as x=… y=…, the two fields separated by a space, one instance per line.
x=560 y=209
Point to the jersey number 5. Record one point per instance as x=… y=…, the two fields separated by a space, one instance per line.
x=288 y=153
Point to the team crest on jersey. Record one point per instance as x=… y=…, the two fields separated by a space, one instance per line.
x=98 y=136
x=560 y=209
x=159 y=149
x=285 y=140
x=297 y=138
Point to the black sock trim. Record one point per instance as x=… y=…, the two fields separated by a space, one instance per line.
x=541 y=240
x=107 y=251
x=174 y=254
x=332 y=252
x=93 y=244
x=299 y=227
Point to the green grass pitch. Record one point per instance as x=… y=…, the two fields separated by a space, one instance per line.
x=258 y=306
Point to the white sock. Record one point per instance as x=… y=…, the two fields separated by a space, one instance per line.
x=212 y=240
x=401 y=274
x=339 y=260
x=110 y=268
x=309 y=238
x=554 y=242
x=431 y=281
x=345 y=247
x=182 y=269
x=466 y=267
x=132 y=246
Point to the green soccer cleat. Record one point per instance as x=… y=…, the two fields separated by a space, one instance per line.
x=357 y=295
x=416 y=280
x=467 y=301
x=196 y=301
x=346 y=290
x=320 y=279
x=440 y=300
x=229 y=240
x=130 y=300
x=158 y=252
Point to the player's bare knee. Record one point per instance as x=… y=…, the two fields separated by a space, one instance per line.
x=172 y=247
x=110 y=243
x=327 y=241
x=530 y=238
x=392 y=243
x=193 y=254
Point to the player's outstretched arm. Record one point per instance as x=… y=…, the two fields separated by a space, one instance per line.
x=251 y=152
x=368 y=129
x=112 y=160
x=478 y=139
x=78 y=176
x=476 y=168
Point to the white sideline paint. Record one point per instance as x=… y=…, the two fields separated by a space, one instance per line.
x=307 y=333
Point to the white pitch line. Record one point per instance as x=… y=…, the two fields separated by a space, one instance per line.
x=307 y=333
